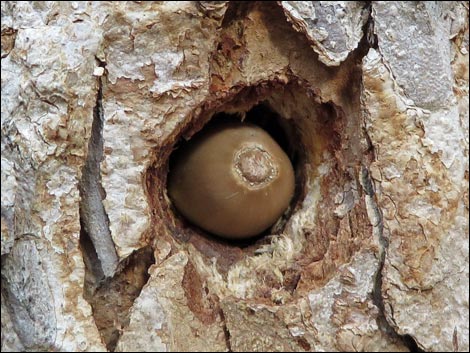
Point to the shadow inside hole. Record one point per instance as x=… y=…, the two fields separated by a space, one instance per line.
x=281 y=131
x=267 y=119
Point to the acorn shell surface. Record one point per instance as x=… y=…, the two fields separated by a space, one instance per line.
x=232 y=180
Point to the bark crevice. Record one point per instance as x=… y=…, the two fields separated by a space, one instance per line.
x=226 y=332
x=113 y=298
x=377 y=297
x=93 y=216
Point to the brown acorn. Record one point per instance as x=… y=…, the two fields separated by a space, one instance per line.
x=233 y=180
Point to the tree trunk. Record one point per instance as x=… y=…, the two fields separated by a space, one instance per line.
x=368 y=99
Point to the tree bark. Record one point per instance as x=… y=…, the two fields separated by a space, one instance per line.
x=371 y=99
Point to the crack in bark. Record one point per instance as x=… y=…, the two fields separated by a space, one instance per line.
x=226 y=332
x=115 y=297
x=377 y=297
x=93 y=216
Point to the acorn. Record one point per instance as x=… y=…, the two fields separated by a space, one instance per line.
x=232 y=180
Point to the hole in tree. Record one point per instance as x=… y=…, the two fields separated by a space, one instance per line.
x=304 y=126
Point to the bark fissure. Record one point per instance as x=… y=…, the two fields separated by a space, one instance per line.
x=377 y=297
x=226 y=332
x=92 y=212
x=112 y=299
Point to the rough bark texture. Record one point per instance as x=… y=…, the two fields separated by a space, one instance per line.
x=372 y=98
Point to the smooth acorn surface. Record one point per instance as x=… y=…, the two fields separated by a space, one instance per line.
x=233 y=180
